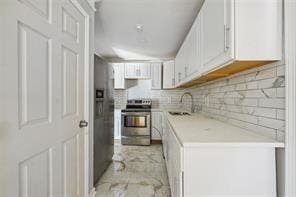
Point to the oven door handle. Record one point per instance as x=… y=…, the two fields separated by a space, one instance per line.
x=135 y=113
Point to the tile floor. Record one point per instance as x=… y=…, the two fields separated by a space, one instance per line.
x=136 y=171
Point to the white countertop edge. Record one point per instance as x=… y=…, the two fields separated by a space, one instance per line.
x=233 y=145
x=275 y=144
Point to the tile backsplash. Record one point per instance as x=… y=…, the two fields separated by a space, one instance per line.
x=253 y=99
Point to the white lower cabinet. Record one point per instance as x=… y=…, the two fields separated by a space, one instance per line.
x=208 y=169
x=156 y=122
x=173 y=157
x=117 y=124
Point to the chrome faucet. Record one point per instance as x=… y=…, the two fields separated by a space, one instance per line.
x=188 y=93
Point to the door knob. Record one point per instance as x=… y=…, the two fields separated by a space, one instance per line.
x=83 y=123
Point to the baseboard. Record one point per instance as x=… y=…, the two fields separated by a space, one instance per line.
x=92 y=193
x=156 y=142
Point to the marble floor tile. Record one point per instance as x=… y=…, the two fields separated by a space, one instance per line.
x=136 y=171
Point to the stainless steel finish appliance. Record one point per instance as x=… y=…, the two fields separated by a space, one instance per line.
x=136 y=122
x=103 y=144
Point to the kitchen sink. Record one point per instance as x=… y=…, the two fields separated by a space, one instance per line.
x=179 y=113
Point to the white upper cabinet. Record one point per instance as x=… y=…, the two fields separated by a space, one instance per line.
x=239 y=34
x=137 y=70
x=168 y=74
x=132 y=70
x=119 y=80
x=189 y=58
x=156 y=75
x=111 y=71
x=180 y=64
x=145 y=70
x=216 y=29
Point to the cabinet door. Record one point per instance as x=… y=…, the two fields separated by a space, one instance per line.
x=157 y=132
x=191 y=52
x=131 y=70
x=174 y=164
x=216 y=27
x=119 y=79
x=168 y=74
x=111 y=71
x=117 y=124
x=156 y=75
x=143 y=70
x=165 y=132
x=180 y=65
x=194 y=49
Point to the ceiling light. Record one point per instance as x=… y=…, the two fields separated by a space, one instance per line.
x=139 y=28
x=142 y=40
x=129 y=55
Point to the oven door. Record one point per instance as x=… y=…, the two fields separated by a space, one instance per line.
x=135 y=123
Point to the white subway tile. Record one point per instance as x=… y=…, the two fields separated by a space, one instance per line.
x=252 y=102
x=236 y=80
x=280 y=71
x=241 y=86
x=272 y=103
x=281 y=113
x=271 y=123
x=265 y=112
x=266 y=83
x=280 y=92
x=265 y=74
x=252 y=85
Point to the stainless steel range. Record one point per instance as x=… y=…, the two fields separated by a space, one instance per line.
x=136 y=122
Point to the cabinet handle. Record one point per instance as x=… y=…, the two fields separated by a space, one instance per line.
x=182 y=179
x=186 y=68
x=179 y=76
x=226 y=32
x=173 y=81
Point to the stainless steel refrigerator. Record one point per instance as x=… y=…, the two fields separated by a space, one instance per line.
x=103 y=118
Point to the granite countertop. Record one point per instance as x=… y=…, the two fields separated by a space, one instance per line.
x=199 y=130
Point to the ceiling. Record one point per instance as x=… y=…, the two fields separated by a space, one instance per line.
x=142 y=29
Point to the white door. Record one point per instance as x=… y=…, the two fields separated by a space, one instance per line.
x=216 y=27
x=169 y=74
x=42 y=99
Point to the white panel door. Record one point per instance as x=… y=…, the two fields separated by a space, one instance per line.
x=42 y=99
